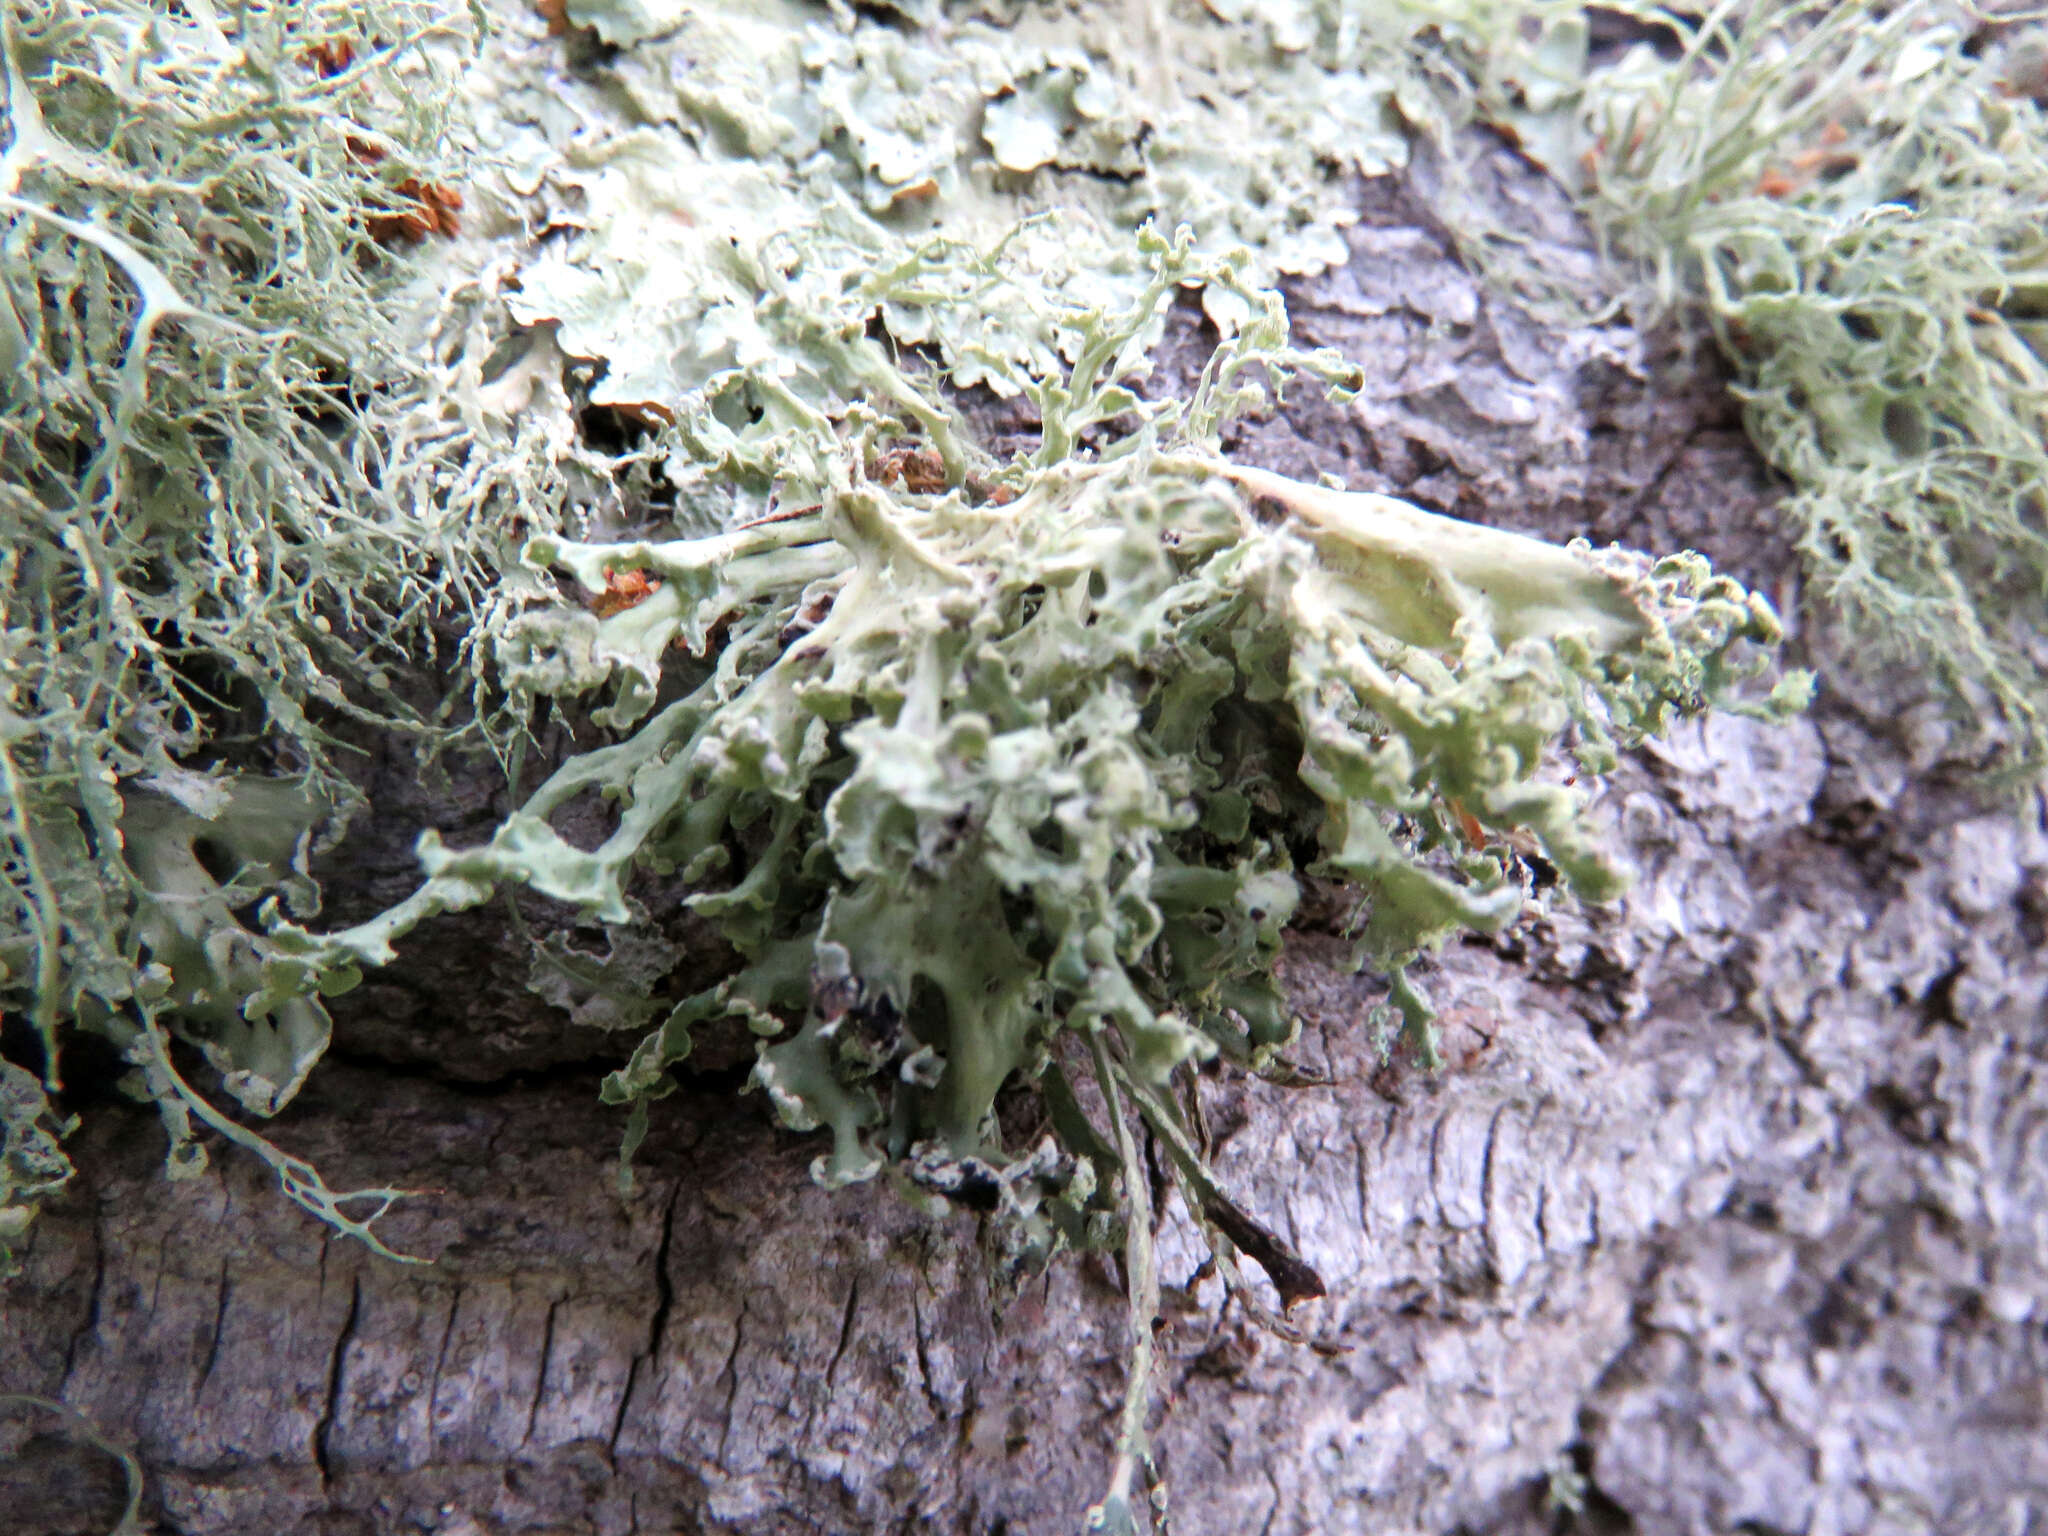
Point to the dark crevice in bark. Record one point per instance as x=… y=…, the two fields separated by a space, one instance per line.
x=731 y=1378
x=1436 y=1142
x=156 y=1283
x=1811 y=1072
x=924 y=1359
x=1542 y=1214
x=1279 y=1503
x=664 y=1285
x=585 y=1070
x=323 y=1431
x=86 y=1329
x=1597 y=1515
x=1486 y=1190
x=540 y=1380
x=845 y=1332
x=434 y=1378
x=1651 y=495
x=1155 y=1172
x=611 y=1441
x=657 y=1326
x=1362 y=1184
x=220 y=1323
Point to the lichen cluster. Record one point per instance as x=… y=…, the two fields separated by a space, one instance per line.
x=1001 y=768
x=207 y=548
x=1872 y=261
x=1009 y=781
x=1846 y=198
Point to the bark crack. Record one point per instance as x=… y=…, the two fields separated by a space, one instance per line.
x=924 y=1361
x=92 y=1307
x=1272 y=1514
x=731 y=1373
x=434 y=1382
x=156 y=1284
x=1436 y=1143
x=323 y=1431
x=540 y=1381
x=1364 y=1178
x=1561 y=1167
x=1486 y=1208
x=220 y=1323
x=1652 y=490
x=657 y=1327
x=845 y=1333
x=1532 y=1142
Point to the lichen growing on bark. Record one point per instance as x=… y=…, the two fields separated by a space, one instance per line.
x=1000 y=771
x=1844 y=196
x=1008 y=781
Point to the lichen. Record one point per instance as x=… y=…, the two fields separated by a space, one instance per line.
x=1844 y=196
x=1009 y=783
x=1000 y=769
x=209 y=547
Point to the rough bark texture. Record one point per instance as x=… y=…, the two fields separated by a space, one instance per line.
x=1730 y=1201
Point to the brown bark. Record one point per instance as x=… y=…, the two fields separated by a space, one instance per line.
x=1731 y=1197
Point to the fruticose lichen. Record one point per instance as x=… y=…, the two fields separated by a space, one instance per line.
x=1009 y=780
x=1847 y=197
x=1000 y=771
x=1874 y=263
x=208 y=537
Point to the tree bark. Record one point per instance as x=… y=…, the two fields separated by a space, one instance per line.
x=1726 y=1214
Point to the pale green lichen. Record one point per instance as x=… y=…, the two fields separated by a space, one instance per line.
x=787 y=166
x=999 y=772
x=1866 y=242
x=33 y=1166
x=210 y=540
x=1847 y=196
x=1011 y=782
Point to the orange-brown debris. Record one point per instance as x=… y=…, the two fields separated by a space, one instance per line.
x=623 y=590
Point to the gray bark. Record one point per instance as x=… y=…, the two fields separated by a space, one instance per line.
x=1730 y=1198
